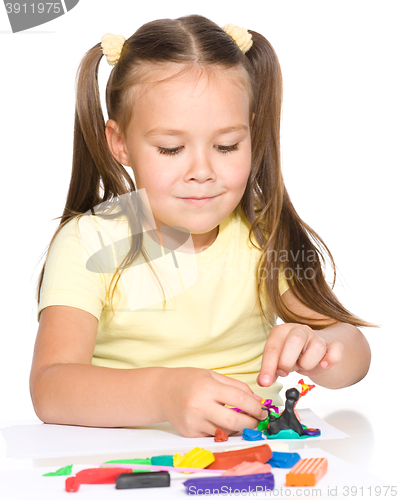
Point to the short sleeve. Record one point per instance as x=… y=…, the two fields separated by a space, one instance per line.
x=67 y=281
x=282 y=283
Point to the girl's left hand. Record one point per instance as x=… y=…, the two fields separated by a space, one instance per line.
x=296 y=347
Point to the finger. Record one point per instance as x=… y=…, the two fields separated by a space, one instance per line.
x=221 y=417
x=294 y=345
x=224 y=379
x=276 y=376
x=199 y=423
x=270 y=358
x=235 y=397
x=315 y=352
x=334 y=355
x=204 y=428
x=231 y=421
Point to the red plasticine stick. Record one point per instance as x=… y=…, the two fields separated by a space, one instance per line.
x=94 y=476
x=229 y=459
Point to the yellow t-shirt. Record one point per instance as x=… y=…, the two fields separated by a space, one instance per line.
x=211 y=320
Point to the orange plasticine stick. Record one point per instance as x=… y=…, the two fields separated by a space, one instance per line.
x=307 y=472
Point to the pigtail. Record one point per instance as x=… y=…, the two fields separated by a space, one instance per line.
x=264 y=192
x=92 y=159
x=289 y=246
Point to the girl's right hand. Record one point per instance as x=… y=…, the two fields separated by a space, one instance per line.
x=193 y=400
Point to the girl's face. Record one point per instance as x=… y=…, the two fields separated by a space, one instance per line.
x=189 y=138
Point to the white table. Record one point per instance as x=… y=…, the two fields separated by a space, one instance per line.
x=369 y=445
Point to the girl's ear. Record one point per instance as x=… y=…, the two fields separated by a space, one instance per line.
x=116 y=142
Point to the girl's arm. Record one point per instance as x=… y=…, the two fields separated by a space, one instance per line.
x=67 y=389
x=336 y=356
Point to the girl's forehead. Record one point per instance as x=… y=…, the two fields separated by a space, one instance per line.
x=166 y=77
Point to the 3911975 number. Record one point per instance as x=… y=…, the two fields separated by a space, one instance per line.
x=40 y=8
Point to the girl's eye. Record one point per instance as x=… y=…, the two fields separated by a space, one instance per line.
x=164 y=151
x=175 y=151
x=227 y=149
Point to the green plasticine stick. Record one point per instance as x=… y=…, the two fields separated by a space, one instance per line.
x=64 y=471
x=143 y=461
x=162 y=460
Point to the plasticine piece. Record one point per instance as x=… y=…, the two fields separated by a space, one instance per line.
x=146 y=461
x=251 y=435
x=284 y=460
x=287 y=419
x=64 y=471
x=284 y=434
x=248 y=468
x=220 y=436
x=290 y=434
x=228 y=459
x=265 y=402
x=210 y=485
x=196 y=458
x=162 y=460
x=311 y=432
x=264 y=423
x=274 y=446
x=307 y=472
x=130 y=480
x=268 y=404
x=305 y=388
x=106 y=475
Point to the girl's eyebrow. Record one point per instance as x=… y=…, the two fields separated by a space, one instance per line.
x=162 y=131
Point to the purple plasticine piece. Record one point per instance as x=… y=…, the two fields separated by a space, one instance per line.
x=312 y=432
x=268 y=404
x=249 y=483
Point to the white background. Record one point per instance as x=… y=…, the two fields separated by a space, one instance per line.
x=339 y=154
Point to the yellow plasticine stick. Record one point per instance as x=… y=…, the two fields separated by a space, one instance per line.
x=195 y=458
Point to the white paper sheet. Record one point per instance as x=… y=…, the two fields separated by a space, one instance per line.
x=45 y=440
x=342 y=480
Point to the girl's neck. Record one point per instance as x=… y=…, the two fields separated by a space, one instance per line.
x=200 y=241
x=203 y=241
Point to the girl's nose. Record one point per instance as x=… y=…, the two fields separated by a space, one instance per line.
x=200 y=167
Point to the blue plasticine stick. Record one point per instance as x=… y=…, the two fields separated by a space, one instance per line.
x=284 y=460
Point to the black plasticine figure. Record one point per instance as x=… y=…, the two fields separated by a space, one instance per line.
x=287 y=419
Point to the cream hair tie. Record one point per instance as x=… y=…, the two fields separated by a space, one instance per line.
x=112 y=47
x=240 y=35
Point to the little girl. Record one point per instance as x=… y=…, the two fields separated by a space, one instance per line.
x=194 y=111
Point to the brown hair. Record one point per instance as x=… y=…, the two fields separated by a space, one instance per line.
x=284 y=239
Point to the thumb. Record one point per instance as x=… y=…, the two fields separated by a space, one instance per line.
x=334 y=354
